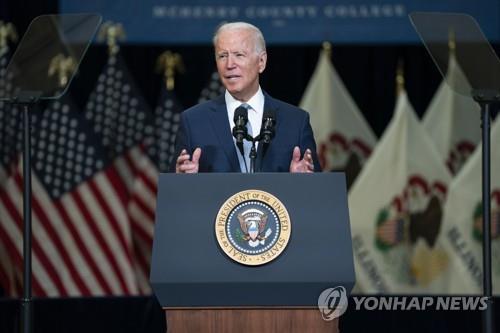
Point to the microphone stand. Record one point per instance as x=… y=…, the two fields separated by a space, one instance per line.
x=253 y=152
x=265 y=137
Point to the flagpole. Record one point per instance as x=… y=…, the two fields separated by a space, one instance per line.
x=486 y=99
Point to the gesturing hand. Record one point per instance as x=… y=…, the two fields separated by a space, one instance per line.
x=185 y=164
x=305 y=164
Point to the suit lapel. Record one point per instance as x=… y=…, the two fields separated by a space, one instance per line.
x=220 y=124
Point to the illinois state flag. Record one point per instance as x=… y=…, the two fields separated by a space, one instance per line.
x=462 y=224
x=452 y=120
x=396 y=206
x=343 y=137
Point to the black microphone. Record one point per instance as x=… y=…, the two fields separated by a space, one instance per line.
x=268 y=124
x=240 y=130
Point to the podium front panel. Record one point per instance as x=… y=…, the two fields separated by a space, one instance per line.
x=189 y=269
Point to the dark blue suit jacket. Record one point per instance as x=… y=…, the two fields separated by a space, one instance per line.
x=206 y=125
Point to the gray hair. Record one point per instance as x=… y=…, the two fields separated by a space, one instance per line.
x=260 y=43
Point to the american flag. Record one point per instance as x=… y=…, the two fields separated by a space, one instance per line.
x=10 y=121
x=213 y=89
x=10 y=141
x=142 y=206
x=166 y=124
x=82 y=242
x=140 y=143
x=94 y=191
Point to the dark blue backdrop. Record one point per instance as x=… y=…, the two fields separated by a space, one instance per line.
x=282 y=21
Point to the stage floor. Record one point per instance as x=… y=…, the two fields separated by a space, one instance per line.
x=143 y=314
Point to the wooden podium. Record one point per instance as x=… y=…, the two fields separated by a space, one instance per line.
x=248 y=321
x=203 y=290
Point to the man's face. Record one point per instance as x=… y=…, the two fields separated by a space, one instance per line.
x=238 y=63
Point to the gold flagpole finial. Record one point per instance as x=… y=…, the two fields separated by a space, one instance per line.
x=452 y=44
x=112 y=33
x=63 y=67
x=169 y=63
x=327 y=47
x=400 y=77
x=7 y=31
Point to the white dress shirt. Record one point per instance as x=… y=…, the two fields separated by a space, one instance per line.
x=255 y=112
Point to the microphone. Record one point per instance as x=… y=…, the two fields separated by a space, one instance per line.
x=240 y=130
x=266 y=132
x=268 y=123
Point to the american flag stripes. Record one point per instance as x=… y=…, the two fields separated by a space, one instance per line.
x=94 y=176
x=140 y=143
x=81 y=236
x=141 y=212
x=120 y=115
x=142 y=204
x=10 y=140
x=7 y=274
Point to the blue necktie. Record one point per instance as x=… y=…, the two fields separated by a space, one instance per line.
x=247 y=145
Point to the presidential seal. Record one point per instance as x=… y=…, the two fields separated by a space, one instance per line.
x=252 y=227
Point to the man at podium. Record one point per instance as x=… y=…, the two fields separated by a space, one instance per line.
x=205 y=142
x=217 y=276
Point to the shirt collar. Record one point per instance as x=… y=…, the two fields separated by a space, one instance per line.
x=256 y=102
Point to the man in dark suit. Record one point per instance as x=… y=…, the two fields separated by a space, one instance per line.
x=204 y=142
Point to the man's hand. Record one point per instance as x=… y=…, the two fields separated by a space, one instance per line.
x=298 y=165
x=185 y=164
